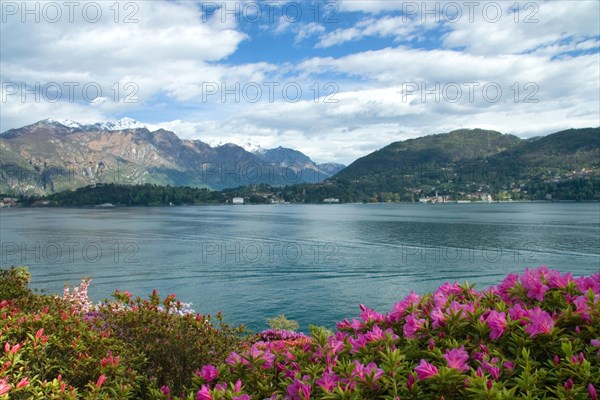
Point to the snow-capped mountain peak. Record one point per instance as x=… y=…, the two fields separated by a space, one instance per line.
x=245 y=144
x=69 y=123
x=121 y=124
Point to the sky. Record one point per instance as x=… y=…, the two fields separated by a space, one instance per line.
x=334 y=79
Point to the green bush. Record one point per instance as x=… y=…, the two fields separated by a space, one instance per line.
x=281 y=323
x=64 y=348
x=174 y=341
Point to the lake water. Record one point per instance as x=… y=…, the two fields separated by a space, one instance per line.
x=313 y=263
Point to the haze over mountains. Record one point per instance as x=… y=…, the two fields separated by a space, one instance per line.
x=52 y=155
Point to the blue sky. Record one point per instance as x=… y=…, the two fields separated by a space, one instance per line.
x=370 y=72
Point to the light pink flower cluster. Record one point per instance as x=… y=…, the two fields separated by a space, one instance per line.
x=79 y=297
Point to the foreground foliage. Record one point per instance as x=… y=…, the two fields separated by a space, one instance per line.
x=66 y=348
x=534 y=336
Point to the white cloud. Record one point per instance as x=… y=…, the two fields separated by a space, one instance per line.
x=171 y=52
x=400 y=28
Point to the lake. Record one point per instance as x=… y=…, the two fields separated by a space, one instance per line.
x=313 y=263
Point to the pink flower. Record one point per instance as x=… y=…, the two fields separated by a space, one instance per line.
x=541 y=323
x=266 y=356
x=457 y=359
x=412 y=325
x=165 y=390
x=369 y=315
x=204 y=393
x=532 y=281
x=425 y=370
x=100 y=380
x=461 y=310
x=586 y=283
x=438 y=318
x=400 y=308
x=299 y=390
x=4 y=387
x=431 y=344
x=517 y=312
x=410 y=382
x=592 y=392
x=358 y=343
x=242 y=397
x=583 y=308
x=509 y=365
x=328 y=381
x=375 y=334
x=497 y=323
x=209 y=373
x=508 y=283
x=235 y=359
x=568 y=384
x=371 y=371
x=556 y=280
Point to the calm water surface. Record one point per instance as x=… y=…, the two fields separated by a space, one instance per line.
x=313 y=263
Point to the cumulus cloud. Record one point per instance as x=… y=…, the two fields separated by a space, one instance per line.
x=547 y=72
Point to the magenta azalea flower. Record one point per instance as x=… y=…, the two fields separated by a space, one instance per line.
x=541 y=323
x=497 y=323
x=517 y=312
x=532 y=280
x=425 y=370
x=438 y=318
x=328 y=381
x=399 y=309
x=457 y=359
x=209 y=372
x=371 y=371
x=592 y=392
x=204 y=393
x=412 y=325
x=299 y=390
x=369 y=315
x=235 y=359
x=507 y=284
x=410 y=382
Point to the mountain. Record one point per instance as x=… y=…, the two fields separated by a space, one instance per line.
x=400 y=158
x=55 y=155
x=472 y=164
x=298 y=165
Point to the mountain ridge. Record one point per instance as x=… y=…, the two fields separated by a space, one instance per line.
x=51 y=155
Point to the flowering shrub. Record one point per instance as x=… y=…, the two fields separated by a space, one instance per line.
x=533 y=336
x=173 y=340
x=65 y=348
x=49 y=352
